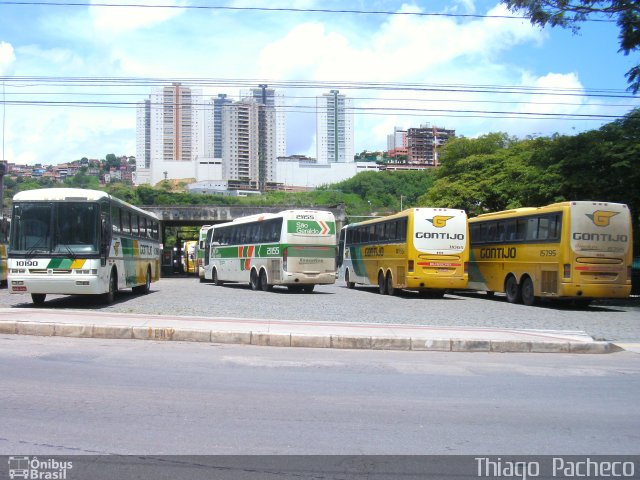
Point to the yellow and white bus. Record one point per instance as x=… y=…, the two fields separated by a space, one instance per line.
x=4 y=240
x=73 y=241
x=570 y=250
x=293 y=248
x=189 y=259
x=423 y=249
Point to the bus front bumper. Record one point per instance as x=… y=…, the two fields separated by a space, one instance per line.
x=73 y=285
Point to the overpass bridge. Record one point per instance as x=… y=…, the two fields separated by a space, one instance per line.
x=198 y=215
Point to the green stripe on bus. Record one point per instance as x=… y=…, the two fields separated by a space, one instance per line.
x=311 y=227
x=64 y=263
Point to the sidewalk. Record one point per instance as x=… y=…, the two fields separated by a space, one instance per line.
x=291 y=333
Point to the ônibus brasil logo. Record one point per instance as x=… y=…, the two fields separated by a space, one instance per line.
x=439 y=221
x=34 y=468
x=601 y=218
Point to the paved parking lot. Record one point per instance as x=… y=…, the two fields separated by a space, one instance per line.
x=606 y=320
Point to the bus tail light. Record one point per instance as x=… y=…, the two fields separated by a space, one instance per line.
x=284 y=258
x=629 y=272
x=567 y=270
x=410 y=266
x=466 y=268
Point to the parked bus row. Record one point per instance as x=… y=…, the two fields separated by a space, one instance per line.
x=76 y=241
x=575 y=251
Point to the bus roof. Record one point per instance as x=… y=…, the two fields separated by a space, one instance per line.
x=403 y=213
x=72 y=194
x=551 y=207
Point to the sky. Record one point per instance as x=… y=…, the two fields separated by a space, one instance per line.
x=462 y=69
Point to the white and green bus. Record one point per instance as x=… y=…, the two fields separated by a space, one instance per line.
x=293 y=248
x=200 y=251
x=4 y=240
x=73 y=241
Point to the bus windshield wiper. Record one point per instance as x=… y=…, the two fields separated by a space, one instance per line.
x=71 y=253
x=31 y=252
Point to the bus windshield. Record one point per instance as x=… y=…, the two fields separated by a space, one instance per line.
x=55 y=228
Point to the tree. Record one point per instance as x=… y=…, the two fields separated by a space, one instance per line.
x=569 y=14
x=491 y=173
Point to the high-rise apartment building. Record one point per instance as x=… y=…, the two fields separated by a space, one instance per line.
x=174 y=129
x=248 y=137
x=218 y=102
x=334 y=128
x=423 y=144
x=274 y=99
x=398 y=139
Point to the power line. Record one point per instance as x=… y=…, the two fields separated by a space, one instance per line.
x=282 y=9
x=194 y=82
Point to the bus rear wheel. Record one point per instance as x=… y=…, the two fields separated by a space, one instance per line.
x=146 y=287
x=527 y=292
x=382 y=284
x=512 y=290
x=263 y=281
x=389 y=285
x=254 y=281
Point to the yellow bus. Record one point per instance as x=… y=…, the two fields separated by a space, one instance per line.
x=571 y=250
x=423 y=249
x=189 y=259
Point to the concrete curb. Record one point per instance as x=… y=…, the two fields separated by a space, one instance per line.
x=121 y=332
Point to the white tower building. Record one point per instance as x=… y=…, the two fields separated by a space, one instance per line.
x=275 y=99
x=248 y=136
x=334 y=128
x=174 y=129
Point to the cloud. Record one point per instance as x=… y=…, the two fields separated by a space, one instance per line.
x=404 y=49
x=7 y=57
x=113 y=20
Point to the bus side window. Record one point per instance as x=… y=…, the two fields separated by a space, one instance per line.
x=402 y=230
x=115 y=220
x=491 y=234
x=532 y=228
x=543 y=228
x=501 y=228
x=521 y=229
x=555 y=227
x=474 y=233
x=126 y=222
x=134 y=225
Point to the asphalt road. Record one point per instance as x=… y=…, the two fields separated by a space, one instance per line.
x=66 y=396
x=613 y=320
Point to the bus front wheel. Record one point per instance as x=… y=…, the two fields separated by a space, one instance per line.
x=214 y=278
x=110 y=296
x=350 y=284
x=512 y=290
x=38 y=298
x=527 y=292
